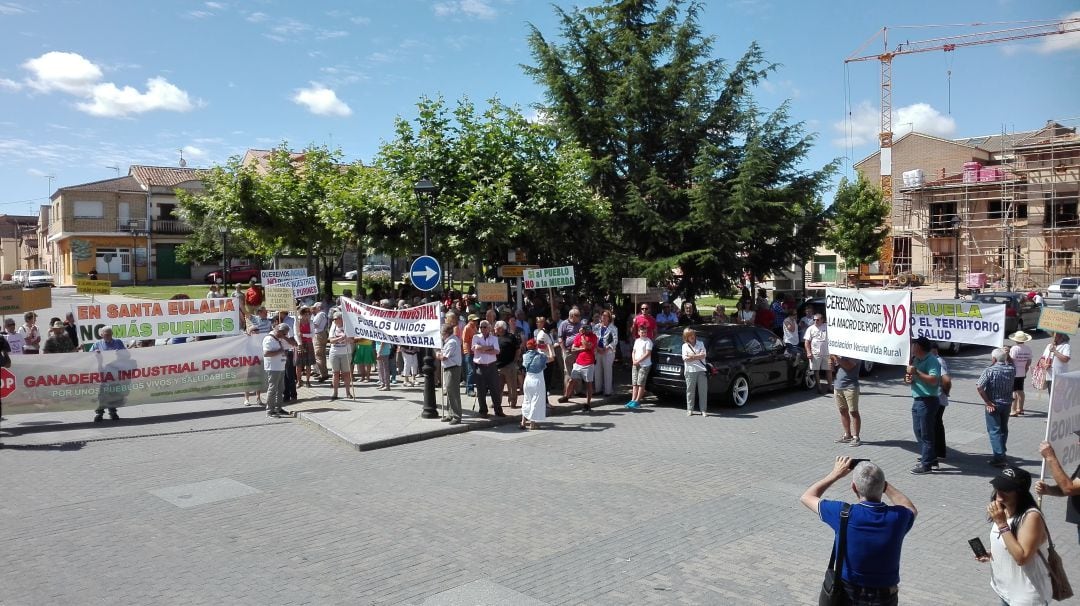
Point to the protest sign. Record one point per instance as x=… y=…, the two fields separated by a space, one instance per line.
x=1058 y=320
x=10 y=299
x=278 y=298
x=93 y=287
x=634 y=286
x=417 y=326
x=959 y=321
x=549 y=277
x=269 y=277
x=492 y=292
x=869 y=324
x=143 y=375
x=159 y=319
x=307 y=286
x=36 y=298
x=1063 y=419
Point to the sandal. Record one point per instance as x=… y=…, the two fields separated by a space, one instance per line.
x=844 y=439
x=1014 y=414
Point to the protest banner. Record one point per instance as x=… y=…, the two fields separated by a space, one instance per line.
x=417 y=326
x=143 y=375
x=959 y=321
x=634 y=286
x=1058 y=320
x=279 y=298
x=492 y=292
x=93 y=287
x=159 y=319
x=307 y=286
x=549 y=277
x=1063 y=418
x=868 y=324
x=269 y=277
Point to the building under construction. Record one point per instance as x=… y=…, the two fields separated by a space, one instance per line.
x=1000 y=208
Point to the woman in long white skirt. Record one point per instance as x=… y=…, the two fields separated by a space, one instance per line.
x=534 y=408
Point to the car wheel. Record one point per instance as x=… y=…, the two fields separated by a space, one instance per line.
x=866 y=368
x=738 y=393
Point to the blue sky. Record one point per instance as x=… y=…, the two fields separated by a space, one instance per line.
x=90 y=85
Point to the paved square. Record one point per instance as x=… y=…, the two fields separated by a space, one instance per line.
x=202 y=493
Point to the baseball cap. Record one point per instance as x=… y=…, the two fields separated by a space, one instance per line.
x=1012 y=479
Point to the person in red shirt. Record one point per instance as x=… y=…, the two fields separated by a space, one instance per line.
x=584 y=345
x=646 y=320
x=765 y=317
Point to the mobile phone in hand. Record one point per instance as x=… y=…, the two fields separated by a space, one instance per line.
x=855 y=462
x=977 y=547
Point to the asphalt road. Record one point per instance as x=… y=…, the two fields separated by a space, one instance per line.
x=616 y=507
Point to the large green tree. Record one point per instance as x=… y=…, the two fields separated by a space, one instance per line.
x=504 y=183
x=856 y=222
x=700 y=179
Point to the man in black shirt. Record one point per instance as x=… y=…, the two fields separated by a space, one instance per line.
x=507 y=361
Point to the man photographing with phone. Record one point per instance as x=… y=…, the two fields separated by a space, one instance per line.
x=875 y=533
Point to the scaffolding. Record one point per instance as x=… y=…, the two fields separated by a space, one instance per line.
x=1018 y=215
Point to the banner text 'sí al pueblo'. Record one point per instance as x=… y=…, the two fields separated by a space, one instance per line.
x=416 y=326
x=954 y=321
x=549 y=277
x=143 y=375
x=869 y=324
x=159 y=319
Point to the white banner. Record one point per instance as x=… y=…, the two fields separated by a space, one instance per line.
x=307 y=286
x=549 y=277
x=959 y=321
x=158 y=319
x=1062 y=420
x=143 y=375
x=869 y=324
x=417 y=326
x=269 y=277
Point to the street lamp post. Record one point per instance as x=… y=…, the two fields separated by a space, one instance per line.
x=133 y=225
x=955 y=221
x=223 y=230
x=426 y=195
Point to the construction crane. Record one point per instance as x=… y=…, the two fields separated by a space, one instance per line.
x=1032 y=29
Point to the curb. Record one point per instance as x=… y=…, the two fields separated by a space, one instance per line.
x=447 y=430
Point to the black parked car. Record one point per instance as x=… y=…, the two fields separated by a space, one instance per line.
x=744 y=360
x=1021 y=313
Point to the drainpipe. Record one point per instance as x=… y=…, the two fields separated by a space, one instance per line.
x=150 y=268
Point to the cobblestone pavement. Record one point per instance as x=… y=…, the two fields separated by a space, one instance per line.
x=616 y=507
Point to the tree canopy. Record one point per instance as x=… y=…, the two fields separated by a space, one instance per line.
x=856 y=219
x=699 y=178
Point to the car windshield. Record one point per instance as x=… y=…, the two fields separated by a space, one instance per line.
x=670 y=343
x=993 y=299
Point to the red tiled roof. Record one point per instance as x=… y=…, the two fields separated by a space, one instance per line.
x=116 y=184
x=164 y=176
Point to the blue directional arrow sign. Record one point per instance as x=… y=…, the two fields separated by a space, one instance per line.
x=425 y=273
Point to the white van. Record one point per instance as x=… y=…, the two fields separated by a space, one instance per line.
x=19 y=277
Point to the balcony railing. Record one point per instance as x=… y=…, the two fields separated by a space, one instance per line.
x=119 y=226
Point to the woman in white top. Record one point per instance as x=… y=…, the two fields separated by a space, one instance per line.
x=697 y=379
x=1059 y=353
x=791 y=333
x=340 y=356
x=1018 y=572
x=746 y=312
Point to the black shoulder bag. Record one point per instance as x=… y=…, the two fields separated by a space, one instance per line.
x=832 y=589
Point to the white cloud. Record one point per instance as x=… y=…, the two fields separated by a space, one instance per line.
x=34 y=172
x=11 y=8
x=199 y=14
x=476 y=9
x=194 y=153
x=73 y=74
x=257 y=17
x=865 y=123
x=1063 y=42
x=214 y=5
x=111 y=101
x=67 y=72
x=325 y=34
x=321 y=101
x=8 y=84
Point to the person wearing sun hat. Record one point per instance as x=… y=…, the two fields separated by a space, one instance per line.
x=1064 y=486
x=1018 y=572
x=1020 y=354
x=58 y=341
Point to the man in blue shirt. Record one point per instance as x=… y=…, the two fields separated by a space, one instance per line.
x=875 y=532
x=996 y=392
